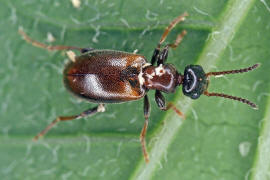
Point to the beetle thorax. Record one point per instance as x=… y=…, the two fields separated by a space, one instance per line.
x=162 y=77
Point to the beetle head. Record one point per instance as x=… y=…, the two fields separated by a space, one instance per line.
x=194 y=81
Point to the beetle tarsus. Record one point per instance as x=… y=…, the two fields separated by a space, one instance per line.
x=88 y=112
x=175 y=109
x=171 y=26
x=179 y=39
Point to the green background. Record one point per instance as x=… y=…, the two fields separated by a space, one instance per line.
x=219 y=139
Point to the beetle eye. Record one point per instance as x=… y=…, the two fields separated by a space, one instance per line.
x=195 y=81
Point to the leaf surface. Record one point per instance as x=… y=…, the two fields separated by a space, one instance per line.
x=219 y=139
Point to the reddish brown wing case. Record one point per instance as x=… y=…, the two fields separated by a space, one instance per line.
x=105 y=76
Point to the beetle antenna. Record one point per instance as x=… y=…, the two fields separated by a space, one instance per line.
x=253 y=105
x=233 y=71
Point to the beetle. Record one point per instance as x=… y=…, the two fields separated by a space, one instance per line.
x=109 y=76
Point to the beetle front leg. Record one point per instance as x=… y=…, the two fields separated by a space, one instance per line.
x=155 y=56
x=171 y=26
x=160 y=100
x=163 y=55
x=178 y=40
x=144 y=129
x=92 y=111
x=175 y=109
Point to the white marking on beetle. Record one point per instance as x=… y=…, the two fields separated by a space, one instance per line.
x=219 y=76
x=76 y=3
x=149 y=76
x=135 y=65
x=159 y=70
x=146 y=64
x=194 y=82
x=135 y=51
x=101 y=108
x=71 y=55
x=141 y=79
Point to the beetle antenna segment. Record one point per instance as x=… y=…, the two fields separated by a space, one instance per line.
x=171 y=26
x=233 y=71
x=45 y=46
x=253 y=105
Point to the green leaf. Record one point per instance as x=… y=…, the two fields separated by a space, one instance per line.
x=219 y=139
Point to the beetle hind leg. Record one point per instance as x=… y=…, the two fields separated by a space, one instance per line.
x=88 y=112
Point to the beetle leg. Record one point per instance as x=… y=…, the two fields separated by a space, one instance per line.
x=88 y=112
x=165 y=34
x=144 y=129
x=178 y=40
x=155 y=56
x=163 y=55
x=175 y=109
x=160 y=100
x=48 y=47
x=171 y=26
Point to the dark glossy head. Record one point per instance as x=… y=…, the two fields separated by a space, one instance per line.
x=194 y=81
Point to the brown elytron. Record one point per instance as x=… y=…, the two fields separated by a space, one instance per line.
x=108 y=76
x=105 y=76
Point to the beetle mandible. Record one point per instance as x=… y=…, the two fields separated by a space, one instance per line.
x=109 y=76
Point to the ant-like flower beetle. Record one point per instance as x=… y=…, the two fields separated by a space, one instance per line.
x=109 y=76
